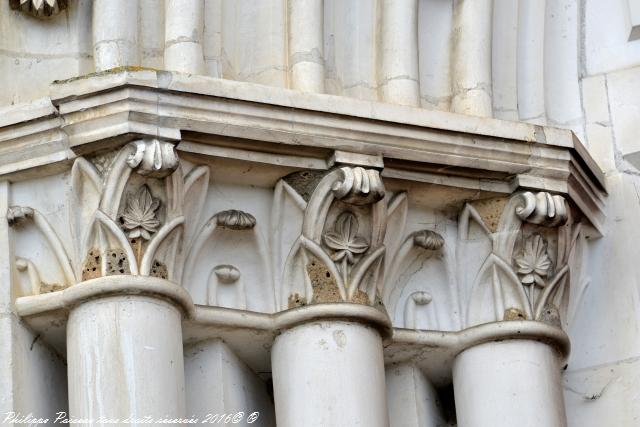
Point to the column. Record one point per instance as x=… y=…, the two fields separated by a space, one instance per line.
x=509 y=383
x=124 y=350
x=115 y=33
x=471 y=62
x=306 y=53
x=399 y=52
x=530 y=62
x=329 y=373
x=561 y=65
x=412 y=399
x=184 y=28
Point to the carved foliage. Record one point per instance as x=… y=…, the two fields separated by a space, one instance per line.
x=140 y=215
x=133 y=240
x=342 y=234
x=519 y=276
x=39 y=8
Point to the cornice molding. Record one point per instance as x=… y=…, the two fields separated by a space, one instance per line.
x=266 y=124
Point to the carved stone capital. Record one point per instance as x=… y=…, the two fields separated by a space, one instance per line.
x=39 y=8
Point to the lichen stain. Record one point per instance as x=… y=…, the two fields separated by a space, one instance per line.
x=304 y=182
x=514 y=314
x=159 y=269
x=91 y=266
x=296 y=300
x=490 y=211
x=51 y=287
x=117 y=262
x=551 y=315
x=324 y=285
x=116 y=70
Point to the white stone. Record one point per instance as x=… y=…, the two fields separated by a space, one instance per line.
x=217 y=382
x=329 y=373
x=124 y=355
x=506 y=383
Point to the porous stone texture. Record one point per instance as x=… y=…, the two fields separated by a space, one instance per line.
x=475 y=165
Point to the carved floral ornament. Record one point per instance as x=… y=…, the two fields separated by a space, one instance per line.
x=349 y=240
x=534 y=263
x=139 y=217
x=108 y=235
x=39 y=8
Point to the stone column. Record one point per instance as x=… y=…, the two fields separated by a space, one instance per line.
x=184 y=27
x=329 y=372
x=510 y=355
x=124 y=349
x=399 y=52
x=327 y=362
x=115 y=33
x=509 y=383
x=530 y=62
x=471 y=61
x=306 y=57
x=412 y=399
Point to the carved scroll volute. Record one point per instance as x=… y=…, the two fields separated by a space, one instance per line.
x=526 y=274
x=342 y=256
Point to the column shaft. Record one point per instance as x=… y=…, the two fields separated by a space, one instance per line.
x=471 y=63
x=509 y=383
x=124 y=357
x=184 y=28
x=306 y=57
x=115 y=33
x=329 y=373
x=399 y=56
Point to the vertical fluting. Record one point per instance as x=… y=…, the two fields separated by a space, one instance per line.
x=435 y=20
x=306 y=56
x=398 y=76
x=471 y=61
x=184 y=27
x=504 y=59
x=561 y=62
x=531 y=25
x=115 y=33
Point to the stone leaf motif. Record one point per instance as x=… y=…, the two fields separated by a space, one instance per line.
x=234 y=219
x=18 y=214
x=428 y=239
x=140 y=214
x=39 y=8
x=421 y=297
x=534 y=263
x=344 y=239
x=227 y=273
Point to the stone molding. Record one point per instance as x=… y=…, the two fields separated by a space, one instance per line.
x=107 y=108
x=251 y=334
x=338 y=223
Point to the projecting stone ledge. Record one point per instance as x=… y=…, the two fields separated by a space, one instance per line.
x=250 y=122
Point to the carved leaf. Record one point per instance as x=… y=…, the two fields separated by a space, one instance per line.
x=235 y=220
x=140 y=214
x=39 y=8
x=534 y=263
x=344 y=239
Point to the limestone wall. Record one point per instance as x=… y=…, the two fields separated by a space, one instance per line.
x=601 y=381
